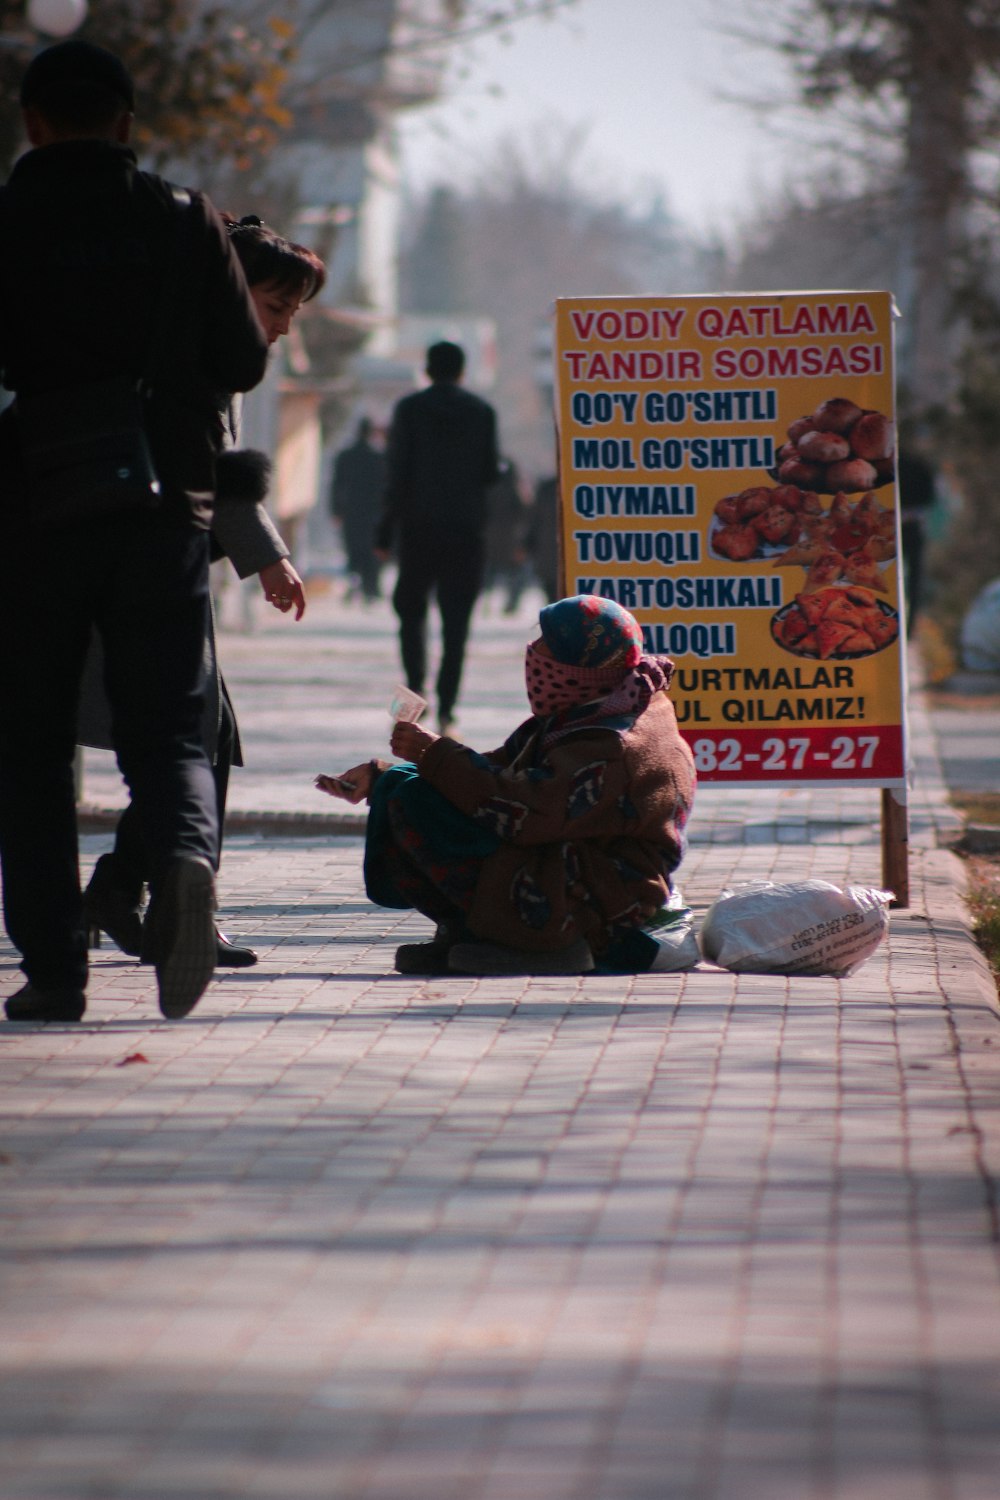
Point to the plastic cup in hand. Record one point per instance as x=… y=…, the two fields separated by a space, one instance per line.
x=406 y=706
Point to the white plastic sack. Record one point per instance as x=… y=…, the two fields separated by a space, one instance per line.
x=801 y=927
x=672 y=929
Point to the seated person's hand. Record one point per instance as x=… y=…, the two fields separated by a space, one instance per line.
x=409 y=741
x=352 y=786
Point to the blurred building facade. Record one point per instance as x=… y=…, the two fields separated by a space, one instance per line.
x=360 y=63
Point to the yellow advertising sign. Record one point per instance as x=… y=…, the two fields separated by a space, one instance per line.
x=727 y=473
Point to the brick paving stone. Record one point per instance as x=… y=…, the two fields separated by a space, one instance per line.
x=344 y=1233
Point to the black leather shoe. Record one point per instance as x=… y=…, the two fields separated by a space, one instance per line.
x=421 y=958
x=228 y=955
x=431 y=957
x=179 y=935
x=109 y=908
x=34 y=1004
x=494 y=959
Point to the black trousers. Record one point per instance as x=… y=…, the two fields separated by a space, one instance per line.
x=361 y=560
x=451 y=567
x=142 y=579
x=131 y=864
x=912 y=540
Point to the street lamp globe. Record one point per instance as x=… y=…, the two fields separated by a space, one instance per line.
x=56 y=17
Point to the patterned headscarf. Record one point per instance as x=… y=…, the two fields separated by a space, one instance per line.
x=589 y=631
x=596 y=662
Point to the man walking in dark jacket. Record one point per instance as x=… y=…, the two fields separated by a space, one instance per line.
x=442 y=458
x=109 y=278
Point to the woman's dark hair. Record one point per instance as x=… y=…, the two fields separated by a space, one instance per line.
x=267 y=257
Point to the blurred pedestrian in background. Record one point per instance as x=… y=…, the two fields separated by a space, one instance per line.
x=541 y=539
x=505 y=551
x=356 y=504
x=120 y=298
x=917 y=495
x=442 y=458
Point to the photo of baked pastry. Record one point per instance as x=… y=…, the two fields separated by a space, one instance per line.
x=760 y=521
x=838 y=623
x=839 y=446
x=850 y=542
x=844 y=539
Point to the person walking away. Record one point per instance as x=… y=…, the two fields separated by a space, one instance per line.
x=442 y=458
x=542 y=536
x=505 y=529
x=917 y=496
x=281 y=277
x=355 y=503
x=116 y=288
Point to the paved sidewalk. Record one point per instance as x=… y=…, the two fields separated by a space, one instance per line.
x=344 y=1235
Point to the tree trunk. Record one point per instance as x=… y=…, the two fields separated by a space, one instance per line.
x=941 y=61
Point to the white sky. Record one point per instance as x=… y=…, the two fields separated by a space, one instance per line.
x=646 y=76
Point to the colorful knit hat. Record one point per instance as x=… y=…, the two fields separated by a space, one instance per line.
x=588 y=631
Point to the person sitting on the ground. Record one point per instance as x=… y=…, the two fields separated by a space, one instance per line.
x=548 y=855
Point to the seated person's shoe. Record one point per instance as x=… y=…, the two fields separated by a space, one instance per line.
x=60 y=1003
x=179 y=935
x=431 y=957
x=110 y=908
x=492 y=958
x=228 y=955
x=421 y=958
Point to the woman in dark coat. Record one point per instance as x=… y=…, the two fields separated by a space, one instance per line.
x=281 y=277
x=551 y=854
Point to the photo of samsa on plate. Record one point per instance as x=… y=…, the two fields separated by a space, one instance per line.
x=835 y=624
x=849 y=543
x=760 y=521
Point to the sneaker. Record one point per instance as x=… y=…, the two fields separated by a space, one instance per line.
x=492 y=958
x=179 y=935
x=33 y=1003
